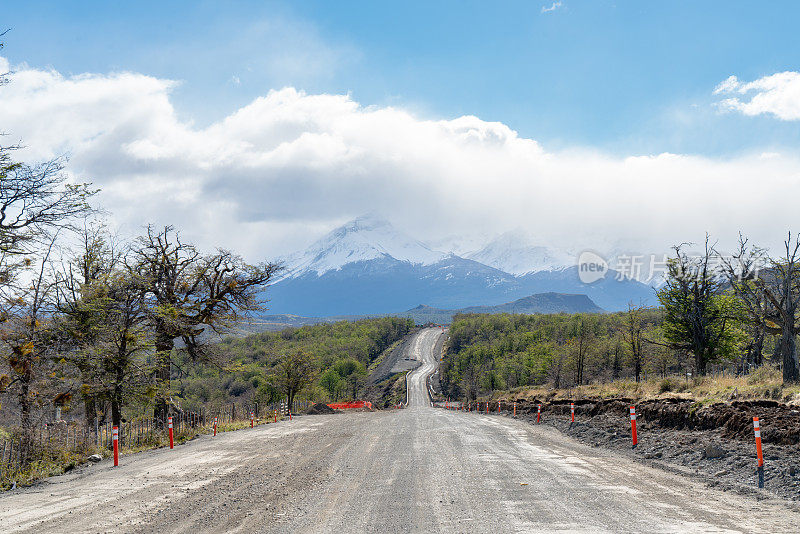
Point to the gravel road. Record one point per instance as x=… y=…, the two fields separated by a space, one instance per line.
x=412 y=470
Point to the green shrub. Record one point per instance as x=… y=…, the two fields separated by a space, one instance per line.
x=666 y=385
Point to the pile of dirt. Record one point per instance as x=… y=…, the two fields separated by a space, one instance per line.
x=713 y=441
x=320 y=409
x=780 y=423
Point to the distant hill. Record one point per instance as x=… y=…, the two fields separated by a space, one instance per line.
x=539 y=303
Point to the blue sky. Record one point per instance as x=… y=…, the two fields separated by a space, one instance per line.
x=262 y=125
x=627 y=77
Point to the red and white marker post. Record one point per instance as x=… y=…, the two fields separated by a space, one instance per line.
x=539 y=413
x=215 y=426
x=487 y=407
x=634 y=437
x=290 y=414
x=572 y=412
x=169 y=424
x=498 y=406
x=252 y=419
x=515 y=408
x=115 y=440
x=757 y=431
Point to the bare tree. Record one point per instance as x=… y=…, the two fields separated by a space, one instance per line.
x=769 y=289
x=96 y=257
x=697 y=316
x=35 y=199
x=581 y=347
x=632 y=334
x=124 y=339
x=189 y=292
x=3 y=75
x=27 y=343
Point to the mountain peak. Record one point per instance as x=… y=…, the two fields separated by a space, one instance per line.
x=364 y=238
x=518 y=253
x=365 y=223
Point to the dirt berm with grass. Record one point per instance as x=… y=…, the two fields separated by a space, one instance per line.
x=713 y=441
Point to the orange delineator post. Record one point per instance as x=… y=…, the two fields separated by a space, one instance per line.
x=215 y=426
x=515 y=408
x=538 y=413
x=498 y=406
x=487 y=407
x=572 y=411
x=115 y=439
x=275 y=412
x=634 y=437
x=251 y=419
x=757 y=431
x=169 y=424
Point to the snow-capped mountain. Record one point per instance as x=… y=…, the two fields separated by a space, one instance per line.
x=460 y=245
x=367 y=266
x=365 y=238
x=517 y=252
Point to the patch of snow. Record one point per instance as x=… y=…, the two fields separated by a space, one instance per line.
x=362 y=239
x=517 y=253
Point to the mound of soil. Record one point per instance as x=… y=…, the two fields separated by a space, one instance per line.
x=320 y=409
x=712 y=441
x=780 y=423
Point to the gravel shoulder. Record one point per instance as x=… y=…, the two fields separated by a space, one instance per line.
x=708 y=455
x=714 y=444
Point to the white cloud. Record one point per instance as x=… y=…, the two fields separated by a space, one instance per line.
x=777 y=94
x=552 y=8
x=278 y=172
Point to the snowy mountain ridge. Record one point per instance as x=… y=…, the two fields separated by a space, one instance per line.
x=517 y=253
x=370 y=237
x=362 y=239
x=367 y=266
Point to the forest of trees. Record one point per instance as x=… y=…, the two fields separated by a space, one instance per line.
x=717 y=311
x=89 y=319
x=325 y=361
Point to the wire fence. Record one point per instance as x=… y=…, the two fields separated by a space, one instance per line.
x=66 y=438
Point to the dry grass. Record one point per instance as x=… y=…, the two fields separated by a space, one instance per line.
x=51 y=461
x=765 y=383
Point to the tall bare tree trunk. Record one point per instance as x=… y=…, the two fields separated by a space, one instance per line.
x=163 y=375
x=789 y=354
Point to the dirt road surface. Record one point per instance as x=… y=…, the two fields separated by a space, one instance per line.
x=413 y=470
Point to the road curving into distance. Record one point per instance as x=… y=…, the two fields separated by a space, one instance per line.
x=422 y=349
x=414 y=470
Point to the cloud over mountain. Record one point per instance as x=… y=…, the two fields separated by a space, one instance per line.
x=275 y=174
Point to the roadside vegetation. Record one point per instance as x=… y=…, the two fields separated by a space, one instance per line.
x=99 y=330
x=325 y=362
x=726 y=328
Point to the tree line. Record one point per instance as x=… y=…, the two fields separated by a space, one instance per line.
x=736 y=311
x=85 y=314
x=323 y=361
